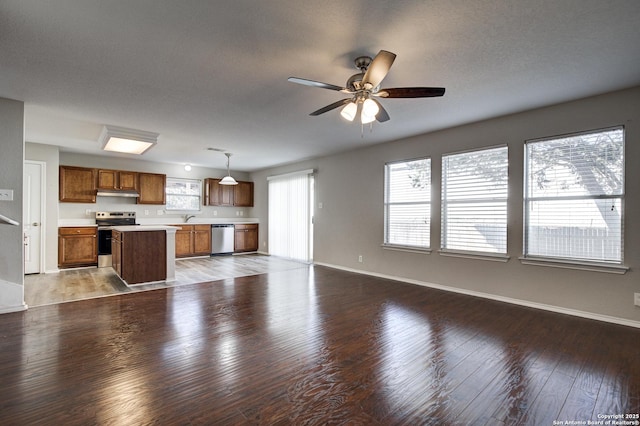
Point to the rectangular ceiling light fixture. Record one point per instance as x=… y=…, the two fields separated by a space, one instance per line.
x=128 y=141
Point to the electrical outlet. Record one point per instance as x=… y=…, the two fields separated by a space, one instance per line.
x=360 y=258
x=87 y=212
x=6 y=194
x=636 y=299
x=146 y=212
x=215 y=212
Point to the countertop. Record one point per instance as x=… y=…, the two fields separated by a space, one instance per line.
x=165 y=221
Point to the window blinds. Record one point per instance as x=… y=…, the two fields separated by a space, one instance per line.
x=574 y=196
x=474 y=201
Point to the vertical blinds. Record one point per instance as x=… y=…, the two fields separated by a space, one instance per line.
x=290 y=216
x=474 y=201
x=573 y=196
x=408 y=203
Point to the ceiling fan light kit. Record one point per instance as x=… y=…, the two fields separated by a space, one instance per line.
x=365 y=85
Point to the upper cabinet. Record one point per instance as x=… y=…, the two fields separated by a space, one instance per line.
x=77 y=185
x=80 y=184
x=117 y=180
x=152 y=188
x=240 y=195
x=243 y=194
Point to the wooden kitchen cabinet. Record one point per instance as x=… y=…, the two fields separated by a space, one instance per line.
x=77 y=184
x=240 y=195
x=216 y=194
x=246 y=237
x=77 y=246
x=152 y=188
x=117 y=180
x=193 y=240
x=139 y=256
x=243 y=194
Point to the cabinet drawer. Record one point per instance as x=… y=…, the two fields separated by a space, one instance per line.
x=246 y=227
x=90 y=230
x=202 y=227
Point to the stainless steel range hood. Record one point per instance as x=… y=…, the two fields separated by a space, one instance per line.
x=117 y=193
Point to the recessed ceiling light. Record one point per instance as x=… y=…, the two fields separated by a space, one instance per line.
x=128 y=141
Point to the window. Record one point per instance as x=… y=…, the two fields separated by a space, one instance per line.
x=407 y=203
x=474 y=201
x=183 y=194
x=574 y=191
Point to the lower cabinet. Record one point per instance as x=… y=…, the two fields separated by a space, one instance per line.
x=139 y=256
x=246 y=237
x=77 y=246
x=193 y=240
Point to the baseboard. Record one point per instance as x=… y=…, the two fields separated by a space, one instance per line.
x=520 y=302
x=17 y=308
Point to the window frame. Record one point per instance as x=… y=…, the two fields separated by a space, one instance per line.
x=169 y=195
x=612 y=266
x=470 y=253
x=387 y=204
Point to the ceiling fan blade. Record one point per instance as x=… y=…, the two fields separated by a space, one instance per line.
x=330 y=107
x=314 y=83
x=382 y=114
x=378 y=69
x=411 y=92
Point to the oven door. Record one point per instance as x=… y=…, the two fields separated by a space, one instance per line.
x=104 y=246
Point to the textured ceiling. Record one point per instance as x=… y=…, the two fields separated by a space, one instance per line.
x=214 y=74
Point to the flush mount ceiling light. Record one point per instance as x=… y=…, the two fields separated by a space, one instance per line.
x=228 y=180
x=128 y=141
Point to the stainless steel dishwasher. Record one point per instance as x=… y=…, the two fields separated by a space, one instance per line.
x=222 y=239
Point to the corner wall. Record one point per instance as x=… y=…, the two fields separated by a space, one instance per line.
x=11 y=177
x=350 y=188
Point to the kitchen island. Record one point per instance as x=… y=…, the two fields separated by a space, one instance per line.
x=143 y=254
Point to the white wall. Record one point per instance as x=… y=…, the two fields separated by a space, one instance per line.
x=350 y=188
x=11 y=177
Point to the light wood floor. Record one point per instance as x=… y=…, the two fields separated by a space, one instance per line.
x=311 y=345
x=87 y=283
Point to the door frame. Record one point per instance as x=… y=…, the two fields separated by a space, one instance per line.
x=43 y=210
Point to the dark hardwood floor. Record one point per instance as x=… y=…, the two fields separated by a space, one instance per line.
x=311 y=346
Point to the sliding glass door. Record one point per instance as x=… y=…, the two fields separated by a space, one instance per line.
x=291 y=215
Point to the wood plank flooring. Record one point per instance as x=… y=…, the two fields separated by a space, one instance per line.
x=311 y=346
x=85 y=283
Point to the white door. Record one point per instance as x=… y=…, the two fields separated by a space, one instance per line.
x=32 y=216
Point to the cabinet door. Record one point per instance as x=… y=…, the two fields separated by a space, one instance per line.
x=183 y=240
x=77 y=246
x=202 y=239
x=243 y=194
x=77 y=185
x=218 y=195
x=107 y=179
x=127 y=180
x=152 y=188
x=246 y=237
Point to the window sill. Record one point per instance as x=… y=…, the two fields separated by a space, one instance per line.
x=494 y=257
x=409 y=249
x=573 y=264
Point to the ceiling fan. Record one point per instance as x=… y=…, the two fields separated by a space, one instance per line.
x=364 y=88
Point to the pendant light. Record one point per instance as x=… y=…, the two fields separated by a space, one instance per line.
x=228 y=180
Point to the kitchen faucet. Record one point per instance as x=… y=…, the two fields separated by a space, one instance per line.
x=187 y=217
